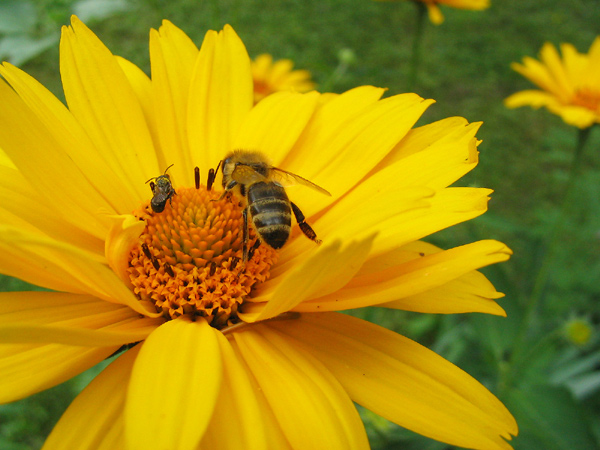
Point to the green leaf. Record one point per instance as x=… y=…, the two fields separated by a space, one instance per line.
x=549 y=418
x=18 y=49
x=17 y=16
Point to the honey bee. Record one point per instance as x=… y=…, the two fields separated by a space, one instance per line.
x=260 y=186
x=162 y=190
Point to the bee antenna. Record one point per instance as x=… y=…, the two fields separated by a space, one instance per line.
x=168 y=168
x=218 y=165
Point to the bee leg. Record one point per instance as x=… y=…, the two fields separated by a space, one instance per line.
x=253 y=249
x=228 y=188
x=245 y=237
x=306 y=228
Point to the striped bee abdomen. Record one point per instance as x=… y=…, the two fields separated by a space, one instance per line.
x=269 y=208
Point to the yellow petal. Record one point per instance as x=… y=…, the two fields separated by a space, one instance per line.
x=26 y=369
x=413 y=277
x=325 y=271
x=469 y=293
x=448 y=207
x=173 y=55
x=237 y=408
x=62 y=267
x=95 y=418
x=123 y=236
x=275 y=436
x=69 y=319
x=334 y=113
x=101 y=98
x=20 y=199
x=343 y=160
x=322 y=415
x=436 y=155
x=576 y=115
x=58 y=122
x=142 y=87
x=174 y=385
x=403 y=381
x=275 y=123
x=539 y=74
x=533 y=98
x=47 y=167
x=221 y=95
x=435 y=15
x=550 y=57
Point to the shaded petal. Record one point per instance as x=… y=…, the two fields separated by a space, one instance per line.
x=325 y=271
x=100 y=97
x=95 y=418
x=174 y=386
x=26 y=369
x=69 y=319
x=62 y=267
x=173 y=56
x=19 y=198
x=221 y=95
x=403 y=381
x=398 y=278
x=123 y=236
x=80 y=154
x=43 y=162
x=274 y=125
x=322 y=415
x=237 y=408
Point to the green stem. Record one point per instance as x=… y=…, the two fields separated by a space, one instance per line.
x=553 y=238
x=415 y=59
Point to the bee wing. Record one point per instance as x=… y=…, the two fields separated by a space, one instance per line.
x=286 y=178
x=246 y=174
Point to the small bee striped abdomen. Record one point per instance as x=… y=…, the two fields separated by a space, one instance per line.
x=271 y=214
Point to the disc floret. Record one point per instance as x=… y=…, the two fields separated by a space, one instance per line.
x=189 y=258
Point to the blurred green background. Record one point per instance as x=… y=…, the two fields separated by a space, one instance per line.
x=549 y=380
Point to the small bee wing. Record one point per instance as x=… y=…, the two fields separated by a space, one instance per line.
x=286 y=178
x=246 y=174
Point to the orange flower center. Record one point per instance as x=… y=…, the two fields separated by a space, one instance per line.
x=189 y=260
x=587 y=98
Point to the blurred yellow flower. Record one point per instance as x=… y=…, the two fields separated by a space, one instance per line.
x=569 y=86
x=579 y=331
x=231 y=355
x=436 y=16
x=270 y=77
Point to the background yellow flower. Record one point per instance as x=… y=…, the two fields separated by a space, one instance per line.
x=570 y=86
x=435 y=14
x=270 y=77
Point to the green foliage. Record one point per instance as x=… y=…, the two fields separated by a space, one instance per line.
x=550 y=218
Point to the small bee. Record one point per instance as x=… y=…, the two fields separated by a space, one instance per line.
x=261 y=188
x=162 y=191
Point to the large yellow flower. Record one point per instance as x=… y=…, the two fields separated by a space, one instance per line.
x=570 y=86
x=270 y=77
x=231 y=356
x=436 y=16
